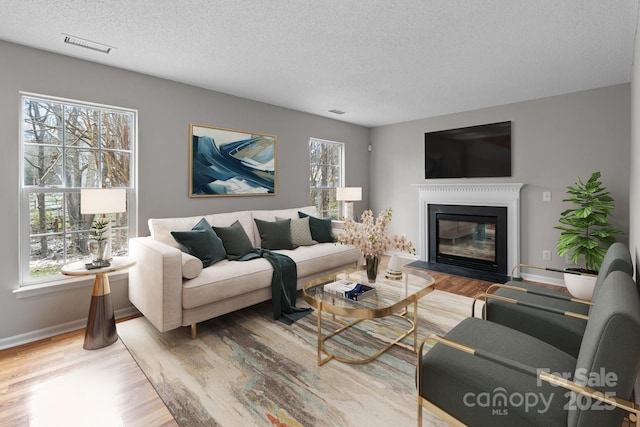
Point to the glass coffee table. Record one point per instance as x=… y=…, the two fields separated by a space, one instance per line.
x=392 y=298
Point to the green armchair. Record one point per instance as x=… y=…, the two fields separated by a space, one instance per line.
x=551 y=316
x=485 y=374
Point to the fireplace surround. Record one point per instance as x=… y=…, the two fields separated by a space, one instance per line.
x=472 y=195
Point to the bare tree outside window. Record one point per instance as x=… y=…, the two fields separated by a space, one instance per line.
x=325 y=175
x=67 y=147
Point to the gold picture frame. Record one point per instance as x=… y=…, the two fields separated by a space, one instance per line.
x=228 y=162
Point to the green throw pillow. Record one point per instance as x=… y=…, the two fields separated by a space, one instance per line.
x=275 y=234
x=235 y=240
x=300 y=231
x=320 y=228
x=202 y=243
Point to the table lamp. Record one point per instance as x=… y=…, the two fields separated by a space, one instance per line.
x=102 y=201
x=348 y=195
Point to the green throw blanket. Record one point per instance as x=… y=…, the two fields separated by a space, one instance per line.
x=283 y=285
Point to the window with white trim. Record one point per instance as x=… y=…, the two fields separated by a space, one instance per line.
x=326 y=174
x=68 y=145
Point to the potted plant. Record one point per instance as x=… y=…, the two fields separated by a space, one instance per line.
x=99 y=241
x=370 y=236
x=586 y=232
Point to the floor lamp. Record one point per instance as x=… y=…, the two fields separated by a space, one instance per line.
x=348 y=195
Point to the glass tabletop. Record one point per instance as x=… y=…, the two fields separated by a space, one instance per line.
x=390 y=295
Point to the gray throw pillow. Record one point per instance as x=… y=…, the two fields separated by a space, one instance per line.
x=275 y=234
x=235 y=240
x=320 y=228
x=300 y=231
x=201 y=242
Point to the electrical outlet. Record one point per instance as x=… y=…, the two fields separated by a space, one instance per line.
x=546 y=255
x=546 y=196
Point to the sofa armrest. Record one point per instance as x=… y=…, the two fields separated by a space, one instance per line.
x=155 y=282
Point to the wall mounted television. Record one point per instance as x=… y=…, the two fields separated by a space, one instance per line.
x=469 y=152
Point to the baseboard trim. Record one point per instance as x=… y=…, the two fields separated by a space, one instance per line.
x=52 y=331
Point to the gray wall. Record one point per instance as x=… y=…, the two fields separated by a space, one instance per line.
x=165 y=110
x=554 y=140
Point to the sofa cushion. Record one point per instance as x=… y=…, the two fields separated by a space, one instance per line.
x=300 y=231
x=272 y=215
x=191 y=266
x=229 y=279
x=275 y=234
x=161 y=228
x=243 y=217
x=226 y=279
x=201 y=242
x=235 y=240
x=320 y=228
x=321 y=257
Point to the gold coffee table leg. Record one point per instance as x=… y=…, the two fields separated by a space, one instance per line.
x=415 y=322
x=322 y=349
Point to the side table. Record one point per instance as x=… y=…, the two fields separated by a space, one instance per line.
x=101 y=324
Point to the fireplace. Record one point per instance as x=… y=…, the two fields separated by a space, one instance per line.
x=469 y=236
x=469 y=206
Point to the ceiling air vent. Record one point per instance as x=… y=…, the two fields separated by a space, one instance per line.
x=88 y=44
x=334 y=111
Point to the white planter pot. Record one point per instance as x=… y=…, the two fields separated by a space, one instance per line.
x=580 y=286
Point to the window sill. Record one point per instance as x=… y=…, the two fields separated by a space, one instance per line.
x=64 y=284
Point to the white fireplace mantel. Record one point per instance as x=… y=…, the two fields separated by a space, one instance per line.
x=473 y=194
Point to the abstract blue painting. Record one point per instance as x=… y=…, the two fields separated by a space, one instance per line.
x=226 y=162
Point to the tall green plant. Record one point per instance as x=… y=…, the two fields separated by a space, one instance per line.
x=586 y=229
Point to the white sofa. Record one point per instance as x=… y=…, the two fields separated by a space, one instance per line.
x=172 y=290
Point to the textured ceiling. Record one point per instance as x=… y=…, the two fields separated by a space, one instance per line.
x=381 y=61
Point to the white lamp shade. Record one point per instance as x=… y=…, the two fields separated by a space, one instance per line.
x=349 y=194
x=103 y=200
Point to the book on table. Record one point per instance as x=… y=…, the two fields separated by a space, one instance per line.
x=349 y=289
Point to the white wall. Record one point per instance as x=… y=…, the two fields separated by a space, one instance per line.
x=165 y=110
x=634 y=182
x=554 y=140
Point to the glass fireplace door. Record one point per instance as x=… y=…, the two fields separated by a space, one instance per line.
x=464 y=239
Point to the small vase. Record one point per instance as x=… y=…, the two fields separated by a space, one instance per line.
x=98 y=249
x=372 y=268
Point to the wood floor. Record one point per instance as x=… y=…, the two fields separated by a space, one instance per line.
x=54 y=382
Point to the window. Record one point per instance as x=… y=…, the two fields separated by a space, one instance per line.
x=66 y=146
x=326 y=173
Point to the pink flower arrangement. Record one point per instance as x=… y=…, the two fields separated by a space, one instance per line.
x=371 y=237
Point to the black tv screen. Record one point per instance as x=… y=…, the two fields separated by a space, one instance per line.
x=470 y=152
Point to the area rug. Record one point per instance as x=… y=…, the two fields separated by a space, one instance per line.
x=244 y=368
